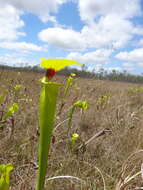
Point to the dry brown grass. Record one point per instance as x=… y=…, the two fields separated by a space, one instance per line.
x=103 y=157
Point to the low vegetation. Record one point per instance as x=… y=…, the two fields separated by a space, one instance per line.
x=97 y=139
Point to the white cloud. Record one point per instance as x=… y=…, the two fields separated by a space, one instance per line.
x=21 y=46
x=107 y=25
x=96 y=57
x=42 y=8
x=110 y=30
x=10 y=23
x=34 y=6
x=138 y=43
x=128 y=66
x=90 y=9
x=63 y=38
x=10 y=26
x=17 y=60
x=135 y=55
x=46 y=17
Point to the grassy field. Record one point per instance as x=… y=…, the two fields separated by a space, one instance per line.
x=114 y=119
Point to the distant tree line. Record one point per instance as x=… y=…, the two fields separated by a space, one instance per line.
x=102 y=74
x=28 y=68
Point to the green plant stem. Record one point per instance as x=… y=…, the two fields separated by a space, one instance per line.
x=48 y=101
x=70 y=118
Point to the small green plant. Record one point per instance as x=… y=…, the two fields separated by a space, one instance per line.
x=102 y=101
x=7 y=113
x=14 y=108
x=48 y=100
x=17 y=87
x=83 y=105
x=16 y=92
x=5 y=170
x=74 y=138
x=135 y=90
x=1 y=98
x=69 y=83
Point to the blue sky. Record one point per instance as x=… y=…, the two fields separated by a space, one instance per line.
x=99 y=33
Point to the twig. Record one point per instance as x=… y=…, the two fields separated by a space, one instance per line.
x=60 y=124
x=66 y=177
x=100 y=133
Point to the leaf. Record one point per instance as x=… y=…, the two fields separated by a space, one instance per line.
x=17 y=87
x=73 y=75
x=1 y=98
x=48 y=99
x=74 y=138
x=57 y=64
x=69 y=83
x=14 y=108
x=5 y=170
x=81 y=104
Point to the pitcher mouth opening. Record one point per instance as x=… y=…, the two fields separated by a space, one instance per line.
x=50 y=73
